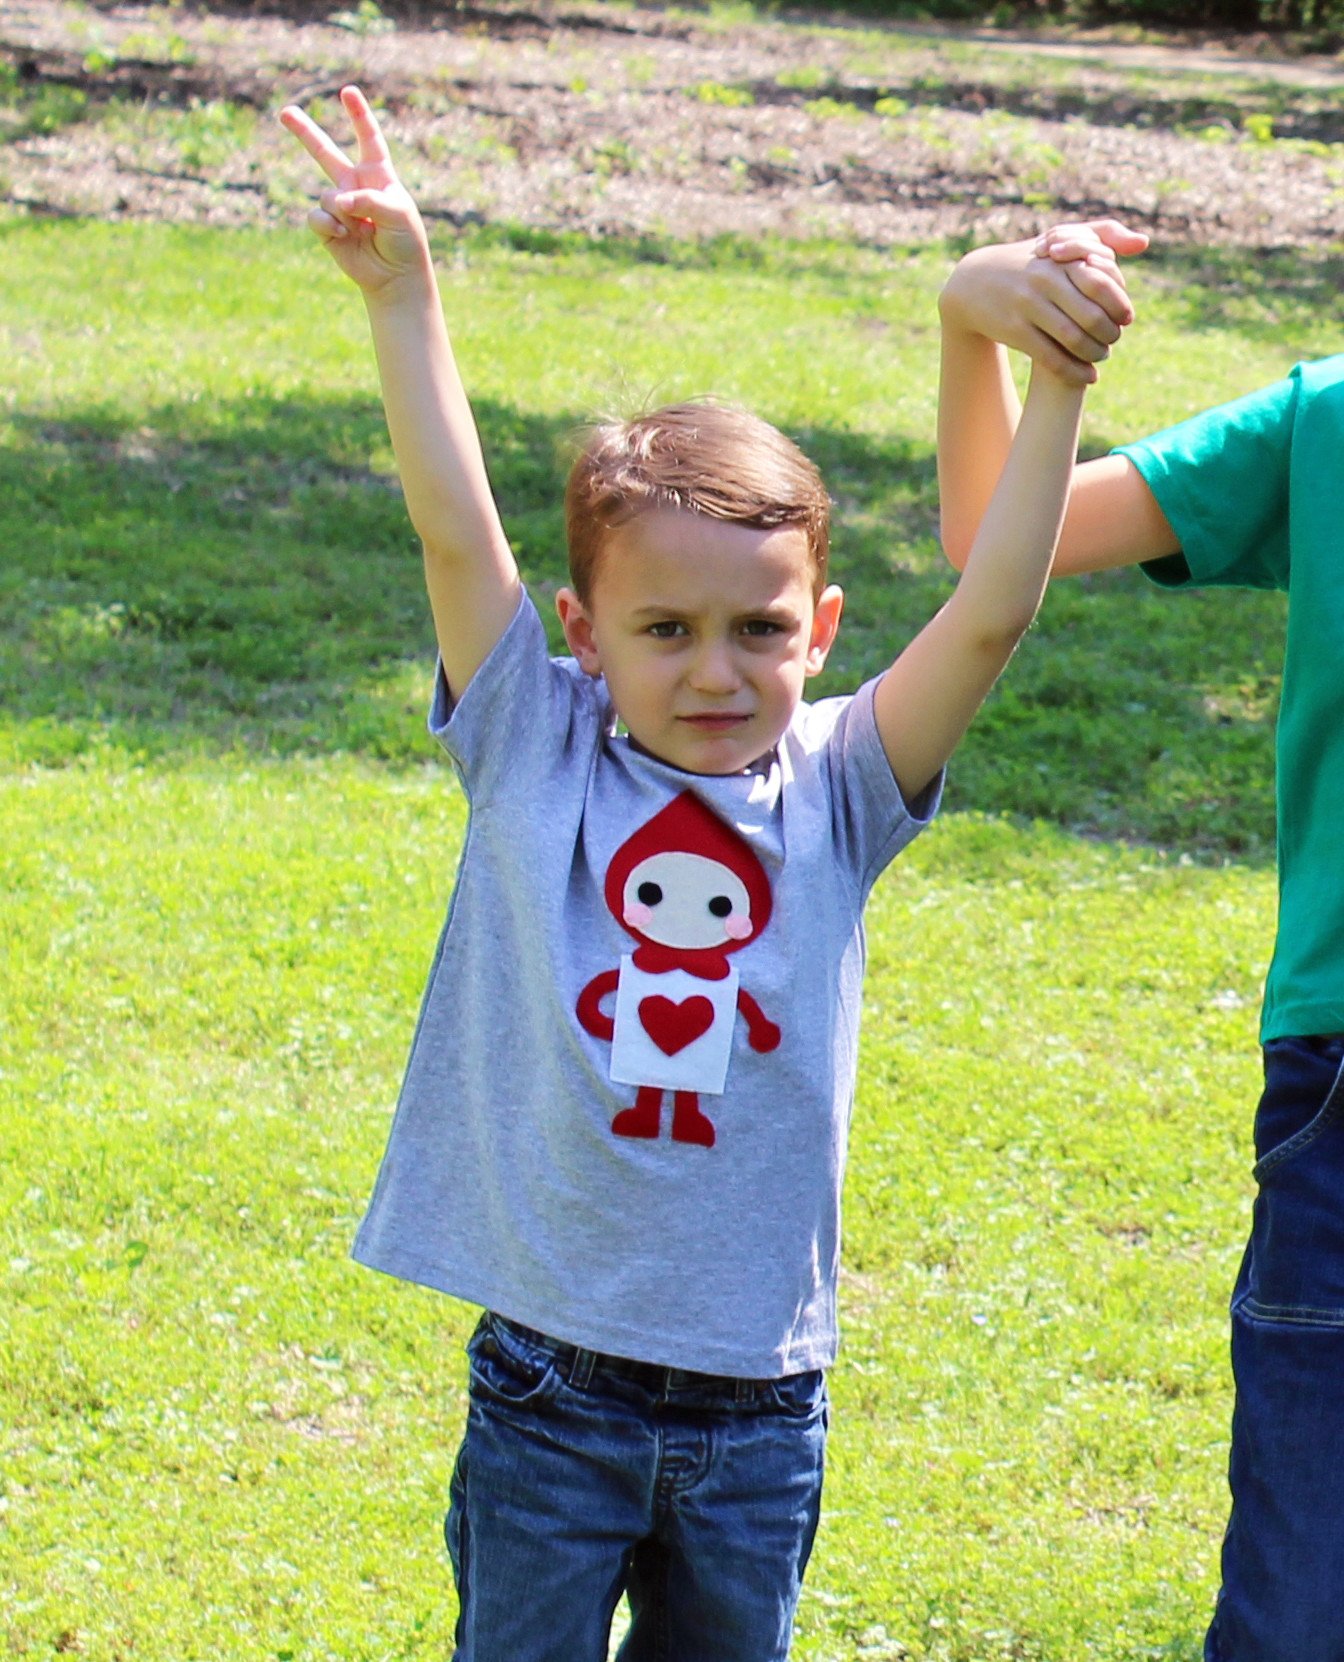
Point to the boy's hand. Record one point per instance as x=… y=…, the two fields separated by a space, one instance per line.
x=1060 y=297
x=368 y=222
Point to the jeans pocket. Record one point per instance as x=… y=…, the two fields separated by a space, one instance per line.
x=1294 y=1267
x=1303 y=1097
x=506 y=1369
x=799 y=1396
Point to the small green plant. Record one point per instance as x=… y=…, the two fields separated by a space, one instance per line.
x=831 y=109
x=429 y=100
x=806 y=78
x=889 y=107
x=731 y=14
x=435 y=146
x=615 y=155
x=212 y=131
x=1259 y=127
x=154 y=48
x=718 y=92
x=45 y=111
x=367 y=18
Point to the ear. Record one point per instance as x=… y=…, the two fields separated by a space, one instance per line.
x=825 y=624
x=578 y=627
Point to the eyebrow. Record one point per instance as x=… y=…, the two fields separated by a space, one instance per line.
x=656 y=610
x=775 y=611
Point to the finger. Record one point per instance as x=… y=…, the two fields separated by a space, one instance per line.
x=1074 y=242
x=1069 y=228
x=1074 y=235
x=1104 y=286
x=1062 y=249
x=1092 y=295
x=1082 y=329
x=368 y=134
x=324 y=227
x=1063 y=241
x=374 y=205
x=1120 y=239
x=324 y=150
x=1090 y=253
x=1049 y=353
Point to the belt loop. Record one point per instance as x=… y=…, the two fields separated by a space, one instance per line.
x=745 y=1391
x=581 y=1369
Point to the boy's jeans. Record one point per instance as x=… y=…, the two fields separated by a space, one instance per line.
x=1283 y=1559
x=582 y=1476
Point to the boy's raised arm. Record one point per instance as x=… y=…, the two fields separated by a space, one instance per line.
x=1060 y=297
x=927 y=699
x=372 y=229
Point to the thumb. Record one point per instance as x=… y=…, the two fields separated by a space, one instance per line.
x=1119 y=238
x=374 y=205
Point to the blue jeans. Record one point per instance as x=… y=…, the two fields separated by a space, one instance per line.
x=1282 y=1598
x=583 y=1476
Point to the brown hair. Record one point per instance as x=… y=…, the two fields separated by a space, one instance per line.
x=704 y=457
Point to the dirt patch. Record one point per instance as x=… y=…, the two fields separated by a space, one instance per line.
x=633 y=121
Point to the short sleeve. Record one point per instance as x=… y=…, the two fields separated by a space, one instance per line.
x=1222 y=480
x=523 y=713
x=871 y=820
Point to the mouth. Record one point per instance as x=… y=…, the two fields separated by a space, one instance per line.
x=715 y=721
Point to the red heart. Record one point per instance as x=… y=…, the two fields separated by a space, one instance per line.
x=674 y=1026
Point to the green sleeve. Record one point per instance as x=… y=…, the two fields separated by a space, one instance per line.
x=1221 y=478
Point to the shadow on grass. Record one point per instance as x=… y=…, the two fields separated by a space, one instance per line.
x=1254 y=292
x=241 y=579
x=240 y=576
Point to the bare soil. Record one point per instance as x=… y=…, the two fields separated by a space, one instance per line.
x=626 y=120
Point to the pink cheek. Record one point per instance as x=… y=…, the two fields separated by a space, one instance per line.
x=638 y=915
x=737 y=926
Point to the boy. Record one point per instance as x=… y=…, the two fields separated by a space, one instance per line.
x=622 y=1126
x=1249 y=494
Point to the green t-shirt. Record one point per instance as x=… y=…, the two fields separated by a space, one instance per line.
x=1255 y=492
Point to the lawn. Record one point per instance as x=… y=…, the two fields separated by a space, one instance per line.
x=225 y=849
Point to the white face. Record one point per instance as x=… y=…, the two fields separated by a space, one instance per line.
x=706 y=632
x=687 y=901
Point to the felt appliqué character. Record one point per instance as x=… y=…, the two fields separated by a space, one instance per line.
x=690 y=891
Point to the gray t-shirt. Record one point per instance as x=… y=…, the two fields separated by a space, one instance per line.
x=632 y=953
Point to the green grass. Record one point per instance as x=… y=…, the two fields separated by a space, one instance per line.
x=225 y=847
x=224 y=1439
x=207 y=548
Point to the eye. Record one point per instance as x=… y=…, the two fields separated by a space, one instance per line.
x=667 y=630
x=649 y=894
x=762 y=627
x=720 y=906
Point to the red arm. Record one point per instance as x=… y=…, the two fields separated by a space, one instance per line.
x=589 y=1008
x=762 y=1034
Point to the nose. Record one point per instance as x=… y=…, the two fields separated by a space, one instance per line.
x=714 y=670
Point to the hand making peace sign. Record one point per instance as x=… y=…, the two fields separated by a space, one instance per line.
x=368 y=221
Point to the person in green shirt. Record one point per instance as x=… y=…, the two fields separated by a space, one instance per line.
x=1249 y=494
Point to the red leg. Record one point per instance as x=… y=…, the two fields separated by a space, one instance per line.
x=643 y=1119
x=689 y=1125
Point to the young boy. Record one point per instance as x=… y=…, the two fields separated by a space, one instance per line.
x=623 y=1120
x=1248 y=494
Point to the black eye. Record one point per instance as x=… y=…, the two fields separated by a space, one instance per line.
x=649 y=894
x=720 y=905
